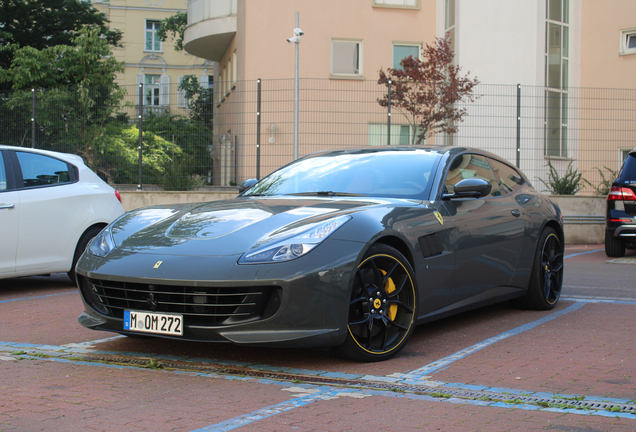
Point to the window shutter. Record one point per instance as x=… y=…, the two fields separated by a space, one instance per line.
x=164 y=93
x=203 y=81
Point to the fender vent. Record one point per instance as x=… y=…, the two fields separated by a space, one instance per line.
x=431 y=245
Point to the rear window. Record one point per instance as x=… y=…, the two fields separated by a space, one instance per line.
x=3 y=175
x=40 y=170
x=629 y=168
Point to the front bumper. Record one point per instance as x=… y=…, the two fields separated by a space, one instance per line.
x=304 y=302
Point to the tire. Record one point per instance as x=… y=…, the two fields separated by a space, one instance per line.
x=88 y=235
x=383 y=306
x=546 y=279
x=614 y=247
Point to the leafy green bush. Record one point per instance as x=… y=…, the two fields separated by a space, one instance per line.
x=178 y=176
x=116 y=153
x=569 y=184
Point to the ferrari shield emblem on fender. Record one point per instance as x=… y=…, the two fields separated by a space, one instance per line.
x=439 y=217
x=157 y=264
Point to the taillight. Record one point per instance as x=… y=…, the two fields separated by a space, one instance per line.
x=118 y=195
x=618 y=193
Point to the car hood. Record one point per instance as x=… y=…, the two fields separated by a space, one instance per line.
x=229 y=227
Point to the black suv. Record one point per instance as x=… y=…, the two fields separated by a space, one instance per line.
x=620 y=220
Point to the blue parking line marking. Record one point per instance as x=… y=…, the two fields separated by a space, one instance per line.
x=436 y=366
x=37 y=297
x=582 y=253
x=592 y=300
x=264 y=413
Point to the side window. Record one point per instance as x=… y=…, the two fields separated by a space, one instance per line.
x=470 y=166
x=509 y=178
x=3 y=175
x=39 y=170
x=628 y=172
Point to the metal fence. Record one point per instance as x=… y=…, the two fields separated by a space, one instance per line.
x=238 y=130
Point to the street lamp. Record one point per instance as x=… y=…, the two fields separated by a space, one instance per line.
x=296 y=40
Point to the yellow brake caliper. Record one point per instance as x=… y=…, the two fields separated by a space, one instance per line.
x=389 y=288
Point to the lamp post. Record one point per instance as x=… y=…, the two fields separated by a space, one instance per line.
x=296 y=40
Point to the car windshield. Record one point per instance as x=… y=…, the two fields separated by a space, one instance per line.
x=405 y=173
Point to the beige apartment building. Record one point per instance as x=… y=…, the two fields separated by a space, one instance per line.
x=149 y=61
x=608 y=61
x=567 y=53
x=343 y=47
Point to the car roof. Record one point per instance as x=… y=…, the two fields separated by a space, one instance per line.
x=68 y=157
x=441 y=149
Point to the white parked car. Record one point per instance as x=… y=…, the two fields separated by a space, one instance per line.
x=51 y=206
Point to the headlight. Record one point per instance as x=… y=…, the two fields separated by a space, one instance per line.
x=296 y=246
x=102 y=244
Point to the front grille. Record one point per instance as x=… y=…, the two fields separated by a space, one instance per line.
x=200 y=306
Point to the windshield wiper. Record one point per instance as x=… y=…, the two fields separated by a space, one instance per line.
x=330 y=193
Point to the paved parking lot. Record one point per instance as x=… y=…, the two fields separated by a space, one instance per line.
x=495 y=369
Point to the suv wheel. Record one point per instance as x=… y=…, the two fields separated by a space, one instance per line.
x=614 y=247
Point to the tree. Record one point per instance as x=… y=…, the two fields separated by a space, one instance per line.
x=86 y=62
x=427 y=91
x=174 y=26
x=42 y=24
x=199 y=100
x=75 y=115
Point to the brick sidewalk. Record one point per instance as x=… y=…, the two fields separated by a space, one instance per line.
x=588 y=351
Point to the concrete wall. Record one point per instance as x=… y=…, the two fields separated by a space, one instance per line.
x=135 y=200
x=584 y=216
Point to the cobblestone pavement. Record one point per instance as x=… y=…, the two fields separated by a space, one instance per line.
x=493 y=369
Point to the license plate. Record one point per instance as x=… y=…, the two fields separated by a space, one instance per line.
x=158 y=323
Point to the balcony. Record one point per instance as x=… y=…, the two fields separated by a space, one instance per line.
x=211 y=27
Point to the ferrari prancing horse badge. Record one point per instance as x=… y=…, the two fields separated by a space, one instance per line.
x=439 y=217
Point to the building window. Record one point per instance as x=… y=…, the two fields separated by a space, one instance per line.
x=449 y=22
x=407 y=4
x=346 y=57
x=153 y=43
x=402 y=51
x=628 y=42
x=400 y=134
x=152 y=90
x=556 y=77
x=622 y=155
x=224 y=84
x=234 y=69
x=182 y=101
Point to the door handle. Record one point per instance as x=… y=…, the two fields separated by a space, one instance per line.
x=6 y=206
x=515 y=213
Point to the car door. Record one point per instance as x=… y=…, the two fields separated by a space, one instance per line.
x=489 y=230
x=9 y=212
x=53 y=208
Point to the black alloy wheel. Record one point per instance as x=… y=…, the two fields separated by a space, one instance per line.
x=383 y=306
x=546 y=279
x=552 y=268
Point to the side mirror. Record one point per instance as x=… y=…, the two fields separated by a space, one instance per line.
x=245 y=185
x=470 y=188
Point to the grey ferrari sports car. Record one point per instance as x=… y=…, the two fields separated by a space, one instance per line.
x=348 y=249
